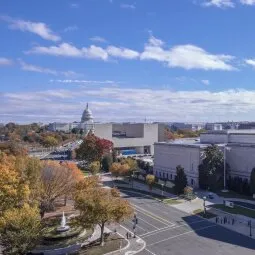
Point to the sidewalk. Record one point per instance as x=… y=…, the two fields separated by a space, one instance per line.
x=240 y=225
x=134 y=246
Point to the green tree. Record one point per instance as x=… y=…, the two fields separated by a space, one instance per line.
x=211 y=169
x=20 y=230
x=107 y=162
x=180 y=180
x=252 y=181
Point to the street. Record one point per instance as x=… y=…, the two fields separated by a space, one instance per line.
x=167 y=230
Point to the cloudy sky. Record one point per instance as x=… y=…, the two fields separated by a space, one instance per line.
x=163 y=60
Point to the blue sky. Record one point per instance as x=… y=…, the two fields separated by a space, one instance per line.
x=167 y=60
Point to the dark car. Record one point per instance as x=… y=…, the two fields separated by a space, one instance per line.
x=210 y=196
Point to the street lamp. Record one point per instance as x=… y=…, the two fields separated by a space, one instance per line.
x=162 y=190
x=132 y=176
x=225 y=149
x=204 y=198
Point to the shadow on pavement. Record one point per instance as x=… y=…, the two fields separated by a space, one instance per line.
x=216 y=232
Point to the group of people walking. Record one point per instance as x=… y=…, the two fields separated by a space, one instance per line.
x=224 y=220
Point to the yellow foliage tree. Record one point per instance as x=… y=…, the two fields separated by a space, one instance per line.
x=94 y=167
x=20 y=229
x=14 y=189
x=101 y=206
x=150 y=180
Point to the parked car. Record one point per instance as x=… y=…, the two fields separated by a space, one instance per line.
x=210 y=196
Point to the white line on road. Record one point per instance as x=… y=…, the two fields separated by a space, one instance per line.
x=150 y=251
x=147 y=223
x=155 y=217
x=153 y=231
x=188 y=232
x=170 y=228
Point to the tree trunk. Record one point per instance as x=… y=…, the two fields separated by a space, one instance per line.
x=102 y=235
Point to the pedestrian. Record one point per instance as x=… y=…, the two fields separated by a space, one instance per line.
x=233 y=221
x=127 y=235
x=221 y=220
x=216 y=219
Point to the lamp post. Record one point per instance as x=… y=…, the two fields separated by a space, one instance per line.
x=132 y=176
x=204 y=198
x=162 y=189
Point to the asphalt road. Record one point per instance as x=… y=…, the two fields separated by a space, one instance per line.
x=247 y=205
x=167 y=231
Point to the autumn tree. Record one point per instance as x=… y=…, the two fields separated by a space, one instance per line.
x=50 y=141
x=132 y=163
x=120 y=169
x=150 y=180
x=20 y=230
x=101 y=206
x=93 y=148
x=180 y=180
x=94 y=167
x=14 y=189
x=57 y=180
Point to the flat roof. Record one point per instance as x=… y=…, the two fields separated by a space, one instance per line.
x=231 y=131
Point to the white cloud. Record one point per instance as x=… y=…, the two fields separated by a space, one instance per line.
x=219 y=3
x=122 y=52
x=186 y=56
x=70 y=28
x=38 y=28
x=250 y=62
x=128 y=6
x=85 y=81
x=205 y=82
x=68 y=50
x=247 y=2
x=93 y=52
x=74 y=5
x=109 y=103
x=98 y=39
x=5 y=62
x=39 y=69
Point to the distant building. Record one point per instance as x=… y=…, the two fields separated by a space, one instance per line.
x=128 y=138
x=240 y=151
x=213 y=126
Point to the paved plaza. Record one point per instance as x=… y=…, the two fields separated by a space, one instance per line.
x=167 y=230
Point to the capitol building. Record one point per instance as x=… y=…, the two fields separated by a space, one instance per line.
x=86 y=125
x=128 y=138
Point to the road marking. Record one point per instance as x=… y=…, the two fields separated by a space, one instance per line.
x=156 y=217
x=138 y=226
x=148 y=223
x=150 y=251
x=168 y=228
x=188 y=232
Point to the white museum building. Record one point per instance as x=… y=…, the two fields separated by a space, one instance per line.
x=239 y=146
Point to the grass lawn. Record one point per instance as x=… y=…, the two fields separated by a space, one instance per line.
x=236 y=210
x=112 y=243
x=171 y=201
x=232 y=194
x=200 y=212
